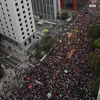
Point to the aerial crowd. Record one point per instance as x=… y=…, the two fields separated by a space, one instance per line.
x=64 y=74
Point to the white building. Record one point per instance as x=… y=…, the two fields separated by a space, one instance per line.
x=47 y=9
x=17 y=24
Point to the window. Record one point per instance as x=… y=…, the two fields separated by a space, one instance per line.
x=13 y=33
x=28 y=33
x=6 y=4
x=9 y=35
x=2 y=8
x=7 y=26
x=20 y=24
x=1 y=24
x=31 y=26
x=24 y=11
x=16 y=4
x=29 y=40
x=26 y=0
x=29 y=13
x=16 y=43
x=20 y=19
x=4 y=32
x=8 y=10
x=22 y=33
x=26 y=25
x=12 y=29
x=22 y=1
x=8 y=31
x=28 y=9
x=33 y=36
x=9 y=15
x=4 y=18
x=11 y=24
x=23 y=7
x=31 y=22
x=0 y=3
x=6 y=22
x=3 y=28
x=25 y=16
x=17 y=9
x=14 y=37
x=25 y=43
x=24 y=37
x=30 y=18
x=10 y=19
x=27 y=4
x=25 y=21
x=32 y=30
x=27 y=29
x=18 y=14
x=3 y=13
x=0 y=20
x=21 y=29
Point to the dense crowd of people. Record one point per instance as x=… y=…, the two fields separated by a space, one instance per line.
x=64 y=74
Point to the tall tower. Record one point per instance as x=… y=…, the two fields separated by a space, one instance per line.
x=17 y=23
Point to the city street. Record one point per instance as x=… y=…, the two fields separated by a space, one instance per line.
x=7 y=60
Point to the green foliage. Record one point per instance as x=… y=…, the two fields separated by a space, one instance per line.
x=1 y=72
x=48 y=43
x=94 y=32
x=44 y=47
x=95 y=62
x=38 y=54
x=97 y=43
x=95 y=85
x=64 y=15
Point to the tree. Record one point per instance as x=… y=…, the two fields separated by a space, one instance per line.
x=94 y=32
x=95 y=62
x=97 y=43
x=64 y=15
x=95 y=86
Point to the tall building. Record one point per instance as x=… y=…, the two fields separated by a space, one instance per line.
x=46 y=9
x=17 y=23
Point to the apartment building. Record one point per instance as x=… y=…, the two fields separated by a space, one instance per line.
x=46 y=9
x=17 y=26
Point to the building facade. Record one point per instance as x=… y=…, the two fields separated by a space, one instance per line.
x=17 y=23
x=46 y=9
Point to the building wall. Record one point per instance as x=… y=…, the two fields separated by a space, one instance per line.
x=16 y=19
x=17 y=22
x=47 y=9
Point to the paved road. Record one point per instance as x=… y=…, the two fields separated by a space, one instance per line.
x=12 y=61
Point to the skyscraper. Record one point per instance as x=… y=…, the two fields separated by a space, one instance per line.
x=17 y=23
x=46 y=9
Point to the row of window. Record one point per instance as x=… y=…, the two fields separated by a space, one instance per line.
x=16 y=4
x=29 y=40
x=9 y=40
